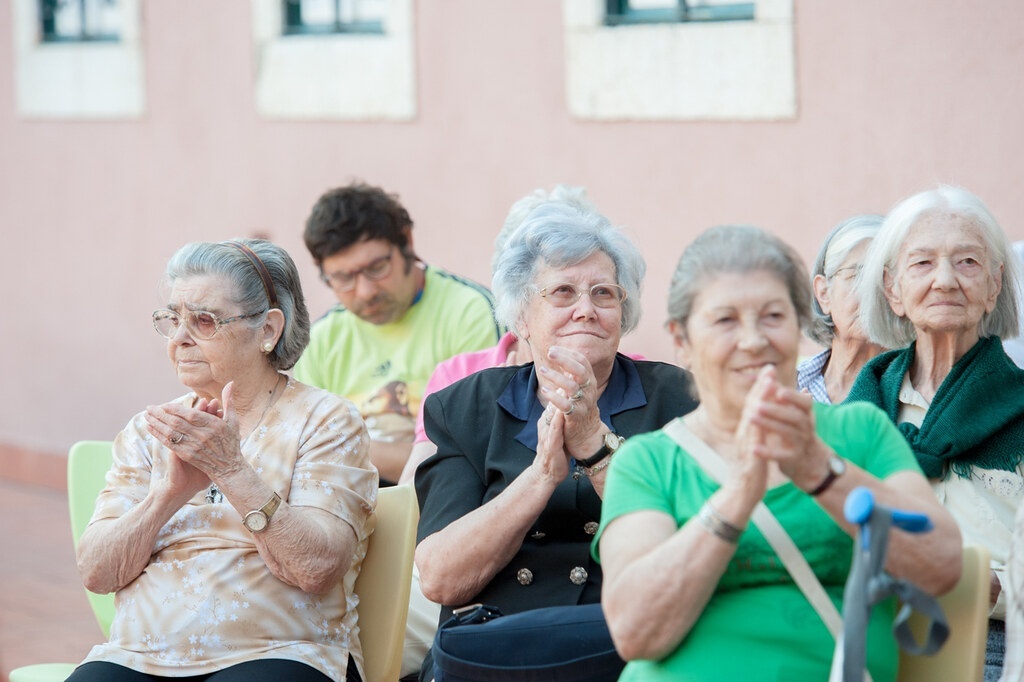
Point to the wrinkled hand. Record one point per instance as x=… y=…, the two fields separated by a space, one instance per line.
x=204 y=437
x=786 y=418
x=551 y=460
x=181 y=478
x=567 y=381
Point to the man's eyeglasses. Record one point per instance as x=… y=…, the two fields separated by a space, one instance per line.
x=199 y=323
x=564 y=295
x=378 y=269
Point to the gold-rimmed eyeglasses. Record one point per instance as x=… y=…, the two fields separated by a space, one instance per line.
x=378 y=269
x=564 y=294
x=199 y=323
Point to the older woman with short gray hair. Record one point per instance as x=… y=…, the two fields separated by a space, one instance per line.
x=836 y=321
x=235 y=517
x=511 y=500
x=940 y=283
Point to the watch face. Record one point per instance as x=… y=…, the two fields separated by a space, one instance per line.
x=838 y=465
x=255 y=521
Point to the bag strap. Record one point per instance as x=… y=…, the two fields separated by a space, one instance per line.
x=770 y=527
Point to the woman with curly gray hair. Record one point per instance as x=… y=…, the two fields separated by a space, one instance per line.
x=236 y=517
x=511 y=500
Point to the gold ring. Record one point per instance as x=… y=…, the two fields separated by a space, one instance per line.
x=572 y=408
x=577 y=395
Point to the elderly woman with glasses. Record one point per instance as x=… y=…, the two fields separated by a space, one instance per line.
x=835 y=322
x=512 y=497
x=236 y=517
x=940 y=284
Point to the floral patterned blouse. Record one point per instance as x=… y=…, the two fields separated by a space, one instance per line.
x=207 y=600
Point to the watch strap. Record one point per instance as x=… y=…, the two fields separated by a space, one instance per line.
x=271 y=506
x=833 y=474
x=602 y=453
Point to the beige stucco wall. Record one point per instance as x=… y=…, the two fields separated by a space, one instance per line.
x=892 y=98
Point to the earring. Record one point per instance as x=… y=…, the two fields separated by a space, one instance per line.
x=267 y=347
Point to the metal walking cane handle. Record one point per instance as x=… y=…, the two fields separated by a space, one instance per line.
x=868 y=583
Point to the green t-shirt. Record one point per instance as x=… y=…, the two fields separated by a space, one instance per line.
x=384 y=368
x=758 y=626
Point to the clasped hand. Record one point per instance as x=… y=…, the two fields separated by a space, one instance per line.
x=203 y=442
x=777 y=425
x=571 y=423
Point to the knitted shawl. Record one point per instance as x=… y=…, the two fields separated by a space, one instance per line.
x=975 y=419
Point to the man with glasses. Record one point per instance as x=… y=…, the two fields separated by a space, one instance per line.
x=396 y=319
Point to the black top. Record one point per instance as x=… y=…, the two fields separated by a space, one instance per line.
x=485 y=429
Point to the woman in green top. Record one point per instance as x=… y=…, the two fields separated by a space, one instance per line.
x=691 y=591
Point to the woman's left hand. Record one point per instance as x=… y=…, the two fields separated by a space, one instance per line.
x=786 y=417
x=200 y=435
x=567 y=381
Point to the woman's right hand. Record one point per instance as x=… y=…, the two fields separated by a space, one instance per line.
x=181 y=478
x=551 y=460
x=750 y=470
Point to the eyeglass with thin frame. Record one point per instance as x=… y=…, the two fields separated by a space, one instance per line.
x=200 y=324
x=378 y=269
x=564 y=294
x=847 y=273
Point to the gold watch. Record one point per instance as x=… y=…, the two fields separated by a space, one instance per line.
x=258 y=519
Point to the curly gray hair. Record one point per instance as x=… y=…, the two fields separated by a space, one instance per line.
x=560 y=233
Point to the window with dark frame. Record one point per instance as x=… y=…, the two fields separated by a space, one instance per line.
x=79 y=21
x=321 y=17
x=624 y=12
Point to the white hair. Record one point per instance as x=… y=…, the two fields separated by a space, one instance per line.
x=886 y=328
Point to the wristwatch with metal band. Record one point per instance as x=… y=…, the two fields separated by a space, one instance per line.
x=258 y=519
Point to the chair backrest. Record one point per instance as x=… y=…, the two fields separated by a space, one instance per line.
x=962 y=658
x=88 y=463
x=384 y=582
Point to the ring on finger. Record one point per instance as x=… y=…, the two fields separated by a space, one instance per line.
x=572 y=408
x=577 y=395
x=585 y=384
x=547 y=419
x=177 y=438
